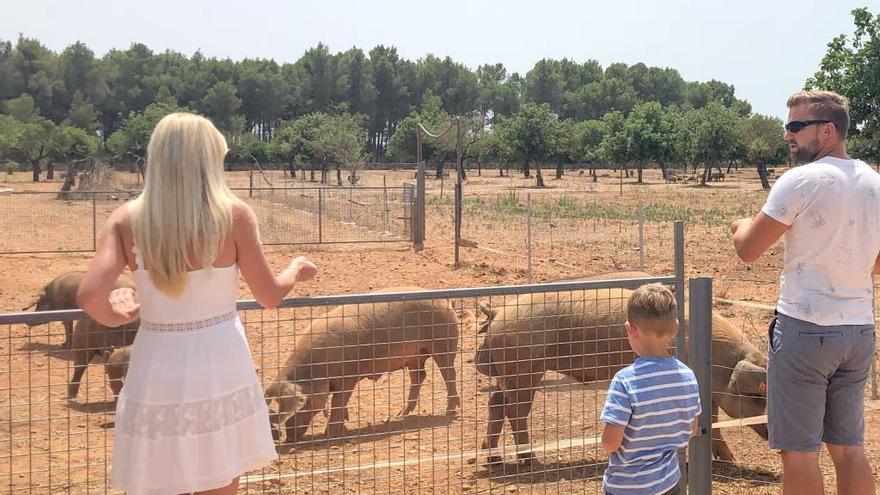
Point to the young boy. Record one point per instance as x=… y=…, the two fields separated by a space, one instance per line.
x=651 y=404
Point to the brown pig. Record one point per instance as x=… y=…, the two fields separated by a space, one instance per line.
x=580 y=334
x=358 y=341
x=116 y=367
x=60 y=294
x=91 y=339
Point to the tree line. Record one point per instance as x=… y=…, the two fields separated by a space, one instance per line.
x=340 y=109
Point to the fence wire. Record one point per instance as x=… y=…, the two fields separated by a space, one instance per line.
x=391 y=395
x=52 y=222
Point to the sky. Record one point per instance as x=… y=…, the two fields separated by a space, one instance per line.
x=766 y=48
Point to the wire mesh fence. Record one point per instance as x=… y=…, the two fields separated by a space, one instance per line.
x=52 y=222
x=389 y=392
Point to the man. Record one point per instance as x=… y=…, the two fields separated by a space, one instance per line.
x=822 y=340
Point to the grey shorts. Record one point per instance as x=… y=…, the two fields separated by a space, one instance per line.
x=816 y=379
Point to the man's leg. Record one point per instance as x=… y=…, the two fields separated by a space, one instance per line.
x=844 y=428
x=801 y=473
x=802 y=358
x=854 y=475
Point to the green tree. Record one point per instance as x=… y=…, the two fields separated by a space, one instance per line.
x=221 y=105
x=762 y=138
x=532 y=132
x=340 y=142
x=82 y=113
x=614 y=147
x=130 y=141
x=648 y=136
x=852 y=68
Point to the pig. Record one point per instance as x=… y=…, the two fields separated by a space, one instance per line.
x=60 y=294
x=580 y=334
x=91 y=339
x=116 y=367
x=353 y=342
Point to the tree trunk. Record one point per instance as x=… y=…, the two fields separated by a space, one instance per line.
x=313 y=172
x=292 y=167
x=640 y=169
x=663 y=169
x=479 y=169
x=762 y=173
x=507 y=167
x=559 y=170
x=539 y=178
x=705 y=177
x=462 y=172
x=729 y=164
x=338 y=174
x=35 y=167
x=439 y=169
x=69 y=181
x=501 y=169
x=526 y=171
x=50 y=170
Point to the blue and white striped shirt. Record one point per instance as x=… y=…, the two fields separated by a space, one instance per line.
x=656 y=399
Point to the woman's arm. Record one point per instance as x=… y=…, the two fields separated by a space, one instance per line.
x=94 y=292
x=267 y=288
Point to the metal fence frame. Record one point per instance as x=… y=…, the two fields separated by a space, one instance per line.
x=700 y=300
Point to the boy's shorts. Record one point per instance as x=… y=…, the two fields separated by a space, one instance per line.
x=816 y=379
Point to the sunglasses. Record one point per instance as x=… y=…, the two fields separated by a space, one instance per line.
x=796 y=126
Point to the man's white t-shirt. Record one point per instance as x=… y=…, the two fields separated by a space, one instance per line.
x=833 y=209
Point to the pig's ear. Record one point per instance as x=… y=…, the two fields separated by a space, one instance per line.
x=483 y=326
x=36 y=302
x=748 y=379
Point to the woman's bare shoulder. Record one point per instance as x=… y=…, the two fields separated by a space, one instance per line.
x=242 y=214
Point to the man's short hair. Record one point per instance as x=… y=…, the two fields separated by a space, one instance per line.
x=652 y=308
x=824 y=105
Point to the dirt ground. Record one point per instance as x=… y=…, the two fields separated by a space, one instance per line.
x=578 y=228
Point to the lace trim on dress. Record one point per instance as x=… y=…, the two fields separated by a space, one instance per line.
x=187 y=326
x=189 y=418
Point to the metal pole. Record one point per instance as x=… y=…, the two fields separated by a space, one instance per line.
x=641 y=236
x=458 y=206
x=320 y=216
x=384 y=205
x=699 y=473
x=678 y=286
x=529 y=235
x=419 y=208
x=457 y=263
x=94 y=222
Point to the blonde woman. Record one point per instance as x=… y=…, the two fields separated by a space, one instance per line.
x=191 y=417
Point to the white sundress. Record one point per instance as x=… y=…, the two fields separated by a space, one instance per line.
x=191 y=415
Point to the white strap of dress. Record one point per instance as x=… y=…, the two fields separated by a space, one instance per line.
x=138 y=258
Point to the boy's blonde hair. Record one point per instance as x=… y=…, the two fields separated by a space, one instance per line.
x=824 y=105
x=186 y=207
x=652 y=308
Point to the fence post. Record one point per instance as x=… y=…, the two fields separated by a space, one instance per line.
x=320 y=215
x=641 y=236
x=94 y=222
x=457 y=263
x=384 y=205
x=699 y=474
x=419 y=209
x=678 y=286
x=529 y=235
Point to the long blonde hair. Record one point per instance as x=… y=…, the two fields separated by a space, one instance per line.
x=186 y=207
